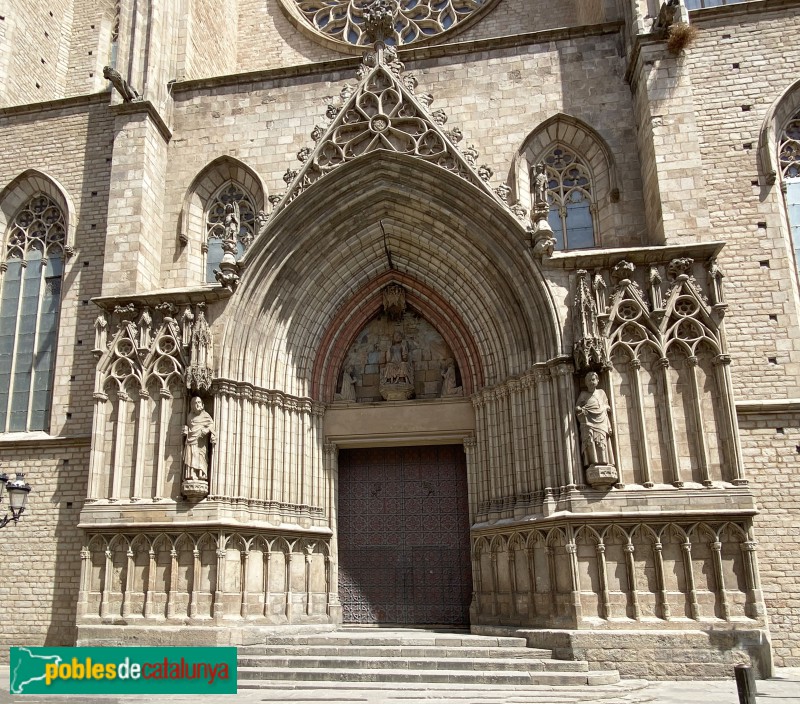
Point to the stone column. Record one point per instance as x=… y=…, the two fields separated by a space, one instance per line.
x=641 y=436
x=120 y=456
x=142 y=432
x=331 y=461
x=694 y=606
x=605 y=602
x=697 y=409
x=633 y=586
x=716 y=551
x=658 y=548
x=164 y=413
x=126 y=597
x=97 y=457
x=733 y=447
x=567 y=448
x=672 y=445
x=85 y=582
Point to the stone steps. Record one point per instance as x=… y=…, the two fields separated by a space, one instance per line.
x=398 y=651
x=401 y=663
x=255 y=678
x=411 y=656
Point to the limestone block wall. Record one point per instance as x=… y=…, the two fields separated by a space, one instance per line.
x=770 y=442
x=729 y=62
x=42 y=550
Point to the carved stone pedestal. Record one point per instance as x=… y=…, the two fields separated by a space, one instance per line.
x=397 y=392
x=194 y=489
x=602 y=476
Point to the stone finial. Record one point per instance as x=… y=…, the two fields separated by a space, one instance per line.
x=590 y=347
x=681 y=266
x=125 y=89
x=378 y=19
x=623 y=271
x=201 y=353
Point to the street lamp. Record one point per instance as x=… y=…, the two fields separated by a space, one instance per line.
x=18 y=491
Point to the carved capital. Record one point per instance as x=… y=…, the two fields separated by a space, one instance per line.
x=634 y=364
x=100 y=396
x=722 y=359
x=571 y=548
x=600 y=548
x=749 y=546
x=85 y=553
x=628 y=548
x=716 y=546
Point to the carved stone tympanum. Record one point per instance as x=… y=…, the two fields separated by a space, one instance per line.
x=199 y=433
x=592 y=410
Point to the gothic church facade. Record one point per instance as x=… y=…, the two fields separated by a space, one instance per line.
x=474 y=313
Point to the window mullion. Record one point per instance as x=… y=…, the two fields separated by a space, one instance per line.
x=32 y=383
x=13 y=368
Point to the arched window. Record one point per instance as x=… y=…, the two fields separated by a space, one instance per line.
x=32 y=266
x=230 y=192
x=569 y=191
x=789 y=159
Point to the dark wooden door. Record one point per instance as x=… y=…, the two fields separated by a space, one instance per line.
x=404 y=536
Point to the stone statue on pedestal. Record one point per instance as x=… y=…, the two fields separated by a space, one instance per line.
x=592 y=409
x=199 y=433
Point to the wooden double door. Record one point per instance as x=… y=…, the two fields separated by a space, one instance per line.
x=404 y=536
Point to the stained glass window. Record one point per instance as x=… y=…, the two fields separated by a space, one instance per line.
x=569 y=191
x=789 y=158
x=29 y=307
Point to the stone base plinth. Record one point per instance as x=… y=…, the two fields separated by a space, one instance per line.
x=672 y=653
x=602 y=476
x=194 y=489
x=397 y=392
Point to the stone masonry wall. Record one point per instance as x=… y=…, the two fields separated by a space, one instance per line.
x=496 y=98
x=739 y=66
x=38 y=32
x=41 y=554
x=72 y=145
x=771 y=448
x=267 y=39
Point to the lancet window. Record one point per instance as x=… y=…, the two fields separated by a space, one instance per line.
x=569 y=191
x=789 y=158
x=231 y=193
x=31 y=272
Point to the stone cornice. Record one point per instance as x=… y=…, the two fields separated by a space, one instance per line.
x=12 y=441
x=605 y=258
x=350 y=63
x=144 y=106
x=752 y=7
x=208 y=293
x=57 y=104
x=768 y=406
